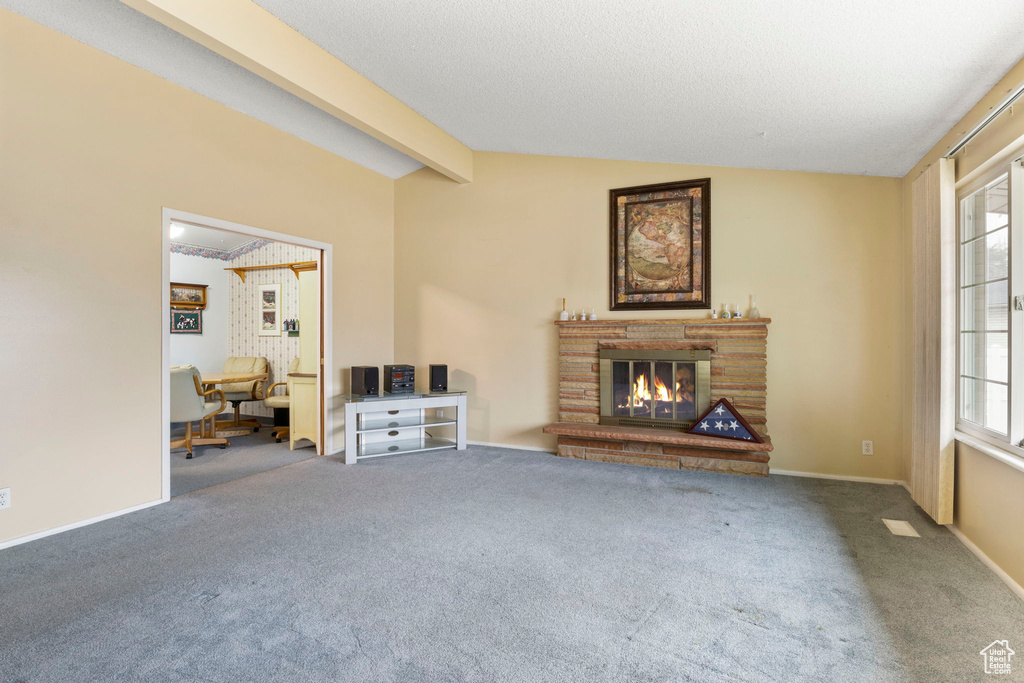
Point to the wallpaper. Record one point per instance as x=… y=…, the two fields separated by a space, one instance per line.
x=245 y=316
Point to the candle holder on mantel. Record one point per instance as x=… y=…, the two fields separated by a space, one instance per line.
x=754 y=312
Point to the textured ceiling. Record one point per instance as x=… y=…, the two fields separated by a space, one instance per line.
x=131 y=36
x=865 y=86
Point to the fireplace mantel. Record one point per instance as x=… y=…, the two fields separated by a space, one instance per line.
x=606 y=322
x=738 y=372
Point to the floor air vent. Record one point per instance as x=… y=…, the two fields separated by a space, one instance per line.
x=900 y=527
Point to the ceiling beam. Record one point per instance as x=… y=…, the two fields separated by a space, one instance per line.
x=253 y=38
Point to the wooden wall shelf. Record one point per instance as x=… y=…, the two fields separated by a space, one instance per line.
x=296 y=267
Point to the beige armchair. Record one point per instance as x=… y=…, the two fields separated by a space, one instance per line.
x=238 y=392
x=189 y=404
x=280 y=402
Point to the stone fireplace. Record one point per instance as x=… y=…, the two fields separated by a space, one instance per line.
x=628 y=390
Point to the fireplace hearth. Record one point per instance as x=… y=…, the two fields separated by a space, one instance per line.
x=654 y=388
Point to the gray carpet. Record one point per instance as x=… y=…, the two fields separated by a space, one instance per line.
x=499 y=565
x=247 y=455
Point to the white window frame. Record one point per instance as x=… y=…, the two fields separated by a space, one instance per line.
x=1011 y=441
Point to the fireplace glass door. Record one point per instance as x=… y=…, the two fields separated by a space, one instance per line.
x=654 y=389
x=662 y=389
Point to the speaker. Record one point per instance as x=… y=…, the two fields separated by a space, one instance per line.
x=365 y=380
x=399 y=379
x=439 y=378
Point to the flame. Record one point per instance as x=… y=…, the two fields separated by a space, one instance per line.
x=642 y=391
x=660 y=390
x=644 y=395
x=683 y=395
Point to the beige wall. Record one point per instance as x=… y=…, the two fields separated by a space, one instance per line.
x=481 y=269
x=988 y=506
x=988 y=494
x=91 y=148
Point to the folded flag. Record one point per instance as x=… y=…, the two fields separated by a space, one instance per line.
x=724 y=421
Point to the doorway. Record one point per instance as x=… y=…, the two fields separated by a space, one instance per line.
x=249 y=310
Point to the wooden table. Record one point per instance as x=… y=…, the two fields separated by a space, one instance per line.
x=237 y=427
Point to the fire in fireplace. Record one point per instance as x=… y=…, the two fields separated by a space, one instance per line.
x=657 y=388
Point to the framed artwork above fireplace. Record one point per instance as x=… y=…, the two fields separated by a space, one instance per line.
x=661 y=246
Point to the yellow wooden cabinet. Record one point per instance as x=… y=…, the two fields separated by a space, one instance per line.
x=304 y=384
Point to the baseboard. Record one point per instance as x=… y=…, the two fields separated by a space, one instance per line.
x=74 y=525
x=987 y=561
x=505 y=445
x=839 y=477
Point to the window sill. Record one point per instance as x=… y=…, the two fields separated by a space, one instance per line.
x=1002 y=454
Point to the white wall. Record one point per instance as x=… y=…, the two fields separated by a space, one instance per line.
x=207 y=351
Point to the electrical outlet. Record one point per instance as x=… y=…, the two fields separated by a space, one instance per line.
x=867 y=447
x=5 y=499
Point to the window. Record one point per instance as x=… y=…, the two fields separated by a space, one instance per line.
x=990 y=366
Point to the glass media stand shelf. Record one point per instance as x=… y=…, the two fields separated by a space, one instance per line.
x=403 y=423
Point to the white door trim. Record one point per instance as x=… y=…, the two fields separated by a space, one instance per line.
x=327 y=327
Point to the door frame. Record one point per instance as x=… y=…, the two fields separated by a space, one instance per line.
x=326 y=324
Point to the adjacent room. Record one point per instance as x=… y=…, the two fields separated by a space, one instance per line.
x=524 y=341
x=237 y=308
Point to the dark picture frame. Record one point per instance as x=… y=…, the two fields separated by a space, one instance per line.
x=186 y=321
x=187 y=295
x=661 y=246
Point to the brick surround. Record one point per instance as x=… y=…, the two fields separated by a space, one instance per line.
x=738 y=373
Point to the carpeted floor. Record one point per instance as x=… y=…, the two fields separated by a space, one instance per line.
x=500 y=565
x=247 y=455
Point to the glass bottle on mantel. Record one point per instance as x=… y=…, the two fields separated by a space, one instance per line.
x=754 y=313
x=725 y=311
x=593 y=316
x=564 y=315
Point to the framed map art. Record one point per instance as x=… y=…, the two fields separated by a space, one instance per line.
x=661 y=246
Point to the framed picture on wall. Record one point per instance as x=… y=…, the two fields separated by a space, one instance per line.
x=184 y=295
x=661 y=246
x=186 y=321
x=269 y=310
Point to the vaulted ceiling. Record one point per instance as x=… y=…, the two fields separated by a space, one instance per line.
x=865 y=87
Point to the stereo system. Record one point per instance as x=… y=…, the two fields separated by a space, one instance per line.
x=365 y=380
x=438 y=378
x=398 y=379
